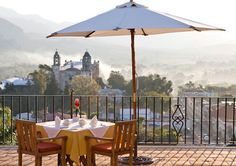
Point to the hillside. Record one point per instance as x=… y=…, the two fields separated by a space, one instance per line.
x=23 y=45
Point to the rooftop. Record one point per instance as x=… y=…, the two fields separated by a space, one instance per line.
x=17 y=81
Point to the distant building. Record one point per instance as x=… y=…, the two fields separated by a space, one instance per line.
x=70 y=69
x=127 y=113
x=17 y=82
x=111 y=93
x=196 y=93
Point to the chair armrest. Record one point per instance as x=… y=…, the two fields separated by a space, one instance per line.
x=99 y=138
x=52 y=139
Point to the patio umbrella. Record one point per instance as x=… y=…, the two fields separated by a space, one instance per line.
x=132 y=19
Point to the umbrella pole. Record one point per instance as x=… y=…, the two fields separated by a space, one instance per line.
x=132 y=32
x=141 y=159
x=134 y=89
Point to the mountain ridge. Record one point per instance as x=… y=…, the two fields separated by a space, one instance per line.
x=21 y=43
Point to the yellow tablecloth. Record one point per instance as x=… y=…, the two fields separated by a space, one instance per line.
x=76 y=144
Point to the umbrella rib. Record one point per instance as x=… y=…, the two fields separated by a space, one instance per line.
x=144 y=32
x=194 y=28
x=89 y=34
x=53 y=34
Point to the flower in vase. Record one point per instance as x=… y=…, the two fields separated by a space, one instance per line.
x=77 y=103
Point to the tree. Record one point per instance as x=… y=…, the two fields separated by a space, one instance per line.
x=116 y=80
x=84 y=86
x=100 y=82
x=9 y=88
x=189 y=85
x=151 y=84
x=67 y=89
x=44 y=80
x=6 y=111
x=52 y=86
x=40 y=78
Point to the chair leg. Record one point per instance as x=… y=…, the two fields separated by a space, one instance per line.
x=68 y=160
x=19 y=159
x=59 y=159
x=89 y=158
x=63 y=159
x=40 y=161
x=114 y=159
x=93 y=159
x=130 y=158
x=37 y=160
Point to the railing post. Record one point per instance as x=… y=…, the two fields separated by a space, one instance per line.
x=114 y=105
x=3 y=119
x=98 y=107
x=44 y=109
x=178 y=120
x=53 y=107
x=71 y=102
x=80 y=111
x=11 y=106
x=36 y=108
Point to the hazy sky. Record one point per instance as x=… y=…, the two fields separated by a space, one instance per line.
x=216 y=12
x=219 y=13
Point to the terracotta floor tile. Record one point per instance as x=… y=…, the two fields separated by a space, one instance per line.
x=166 y=156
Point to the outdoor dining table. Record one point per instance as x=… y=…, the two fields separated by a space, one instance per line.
x=76 y=143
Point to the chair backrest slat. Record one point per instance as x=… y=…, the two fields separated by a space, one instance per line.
x=118 y=138
x=26 y=135
x=132 y=136
x=27 y=139
x=124 y=135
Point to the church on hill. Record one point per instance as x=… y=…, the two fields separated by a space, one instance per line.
x=84 y=67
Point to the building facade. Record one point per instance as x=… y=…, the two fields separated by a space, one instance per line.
x=65 y=73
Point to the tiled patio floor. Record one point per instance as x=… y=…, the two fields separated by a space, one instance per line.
x=162 y=155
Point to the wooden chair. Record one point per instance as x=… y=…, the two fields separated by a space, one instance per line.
x=122 y=143
x=28 y=143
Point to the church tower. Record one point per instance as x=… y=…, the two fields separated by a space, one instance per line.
x=56 y=66
x=56 y=59
x=86 y=62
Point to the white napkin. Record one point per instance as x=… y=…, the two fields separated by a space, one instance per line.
x=66 y=122
x=82 y=122
x=57 y=122
x=75 y=119
x=94 y=121
x=99 y=131
x=51 y=131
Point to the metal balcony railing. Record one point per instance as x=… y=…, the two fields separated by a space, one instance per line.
x=160 y=120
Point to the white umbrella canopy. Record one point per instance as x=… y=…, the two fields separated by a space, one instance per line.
x=119 y=21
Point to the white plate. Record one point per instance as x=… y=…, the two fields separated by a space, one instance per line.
x=63 y=127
